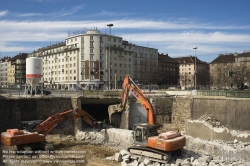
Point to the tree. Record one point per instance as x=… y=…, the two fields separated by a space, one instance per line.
x=203 y=77
x=241 y=75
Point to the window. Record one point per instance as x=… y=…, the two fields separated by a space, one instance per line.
x=91 y=44
x=91 y=77
x=91 y=64
x=91 y=37
x=91 y=57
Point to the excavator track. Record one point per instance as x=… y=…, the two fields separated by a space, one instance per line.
x=151 y=154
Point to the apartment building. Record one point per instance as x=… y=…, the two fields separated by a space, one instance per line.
x=93 y=60
x=231 y=70
x=145 y=64
x=186 y=71
x=4 y=71
x=16 y=70
x=168 y=70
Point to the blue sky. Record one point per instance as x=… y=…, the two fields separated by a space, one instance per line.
x=172 y=26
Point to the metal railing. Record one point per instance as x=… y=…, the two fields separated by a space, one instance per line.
x=211 y=92
x=111 y=93
x=226 y=93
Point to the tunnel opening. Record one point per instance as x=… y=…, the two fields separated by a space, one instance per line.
x=98 y=111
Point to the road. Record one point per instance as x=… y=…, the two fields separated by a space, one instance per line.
x=21 y=92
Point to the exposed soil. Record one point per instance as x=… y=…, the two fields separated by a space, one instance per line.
x=67 y=149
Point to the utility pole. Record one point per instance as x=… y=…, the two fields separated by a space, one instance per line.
x=109 y=64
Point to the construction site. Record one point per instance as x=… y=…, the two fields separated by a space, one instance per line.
x=215 y=130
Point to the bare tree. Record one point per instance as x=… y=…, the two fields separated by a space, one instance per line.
x=203 y=77
x=240 y=75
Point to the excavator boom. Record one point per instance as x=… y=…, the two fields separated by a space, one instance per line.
x=130 y=86
x=21 y=137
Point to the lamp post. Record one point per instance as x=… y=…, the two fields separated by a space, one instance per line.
x=195 y=72
x=51 y=83
x=56 y=72
x=109 y=25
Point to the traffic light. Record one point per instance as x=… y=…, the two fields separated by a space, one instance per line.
x=229 y=73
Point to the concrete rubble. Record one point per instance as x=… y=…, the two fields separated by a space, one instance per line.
x=197 y=152
x=116 y=138
x=188 y=158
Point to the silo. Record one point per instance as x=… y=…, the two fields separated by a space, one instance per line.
x=34 y=70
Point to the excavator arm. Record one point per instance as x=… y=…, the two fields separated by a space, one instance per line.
x=21 y=137
x=46 y=126
x=130 y=86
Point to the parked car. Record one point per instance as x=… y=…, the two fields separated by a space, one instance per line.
x=45 y=92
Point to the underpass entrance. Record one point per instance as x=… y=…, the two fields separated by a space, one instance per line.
x=98 y=109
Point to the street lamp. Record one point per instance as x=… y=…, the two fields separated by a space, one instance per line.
x=51 y=83
x=109 y=25
x=195 y=72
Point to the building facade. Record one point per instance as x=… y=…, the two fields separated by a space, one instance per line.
x=168 y=71
x=94 y=60
x=187 y=66
x=230 y=71
x=16 y=75
x=4 y=71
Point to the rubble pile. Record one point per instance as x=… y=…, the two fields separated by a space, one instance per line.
x=187 y=158
x=113 y=137
x=197 y=152
x=211 y=121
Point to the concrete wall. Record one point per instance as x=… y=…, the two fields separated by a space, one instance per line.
x=230 y=112
x=199 y=129
x=137 y=114
x=181 y=111
x=13 y=111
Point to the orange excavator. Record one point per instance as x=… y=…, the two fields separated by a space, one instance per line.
x=31 y=141
x=158 y=146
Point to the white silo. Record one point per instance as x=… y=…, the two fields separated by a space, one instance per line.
x=34 y=70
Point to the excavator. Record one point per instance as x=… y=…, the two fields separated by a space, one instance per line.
x=147 y=141
x=36 y=140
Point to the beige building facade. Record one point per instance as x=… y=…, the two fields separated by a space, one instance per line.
x=4 y=72
x=85 y=61
x=187 y=67
x=16 y=70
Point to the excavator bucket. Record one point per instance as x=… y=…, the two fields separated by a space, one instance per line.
x=114 y=117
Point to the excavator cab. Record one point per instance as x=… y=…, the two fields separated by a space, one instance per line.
x=142 y=131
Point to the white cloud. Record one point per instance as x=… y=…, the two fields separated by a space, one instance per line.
x=30 y=14
x=111 y=14
x=173 y=37
x=3 y=13
x=189 y=37
x=73 y=10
